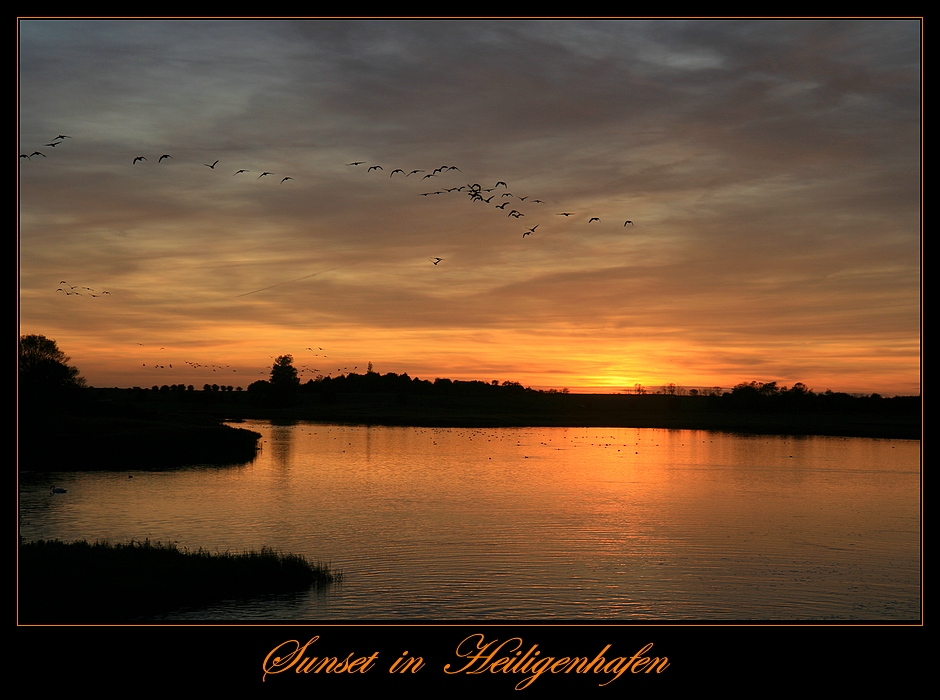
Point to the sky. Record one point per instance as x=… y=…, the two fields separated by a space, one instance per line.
x=771 y=172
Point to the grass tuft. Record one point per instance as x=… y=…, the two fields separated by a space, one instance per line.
x=79 y=582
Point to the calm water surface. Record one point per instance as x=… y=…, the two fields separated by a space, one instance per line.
x=535 y=523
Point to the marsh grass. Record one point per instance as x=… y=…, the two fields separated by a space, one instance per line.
x=78 y=582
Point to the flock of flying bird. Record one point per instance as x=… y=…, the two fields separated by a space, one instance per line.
x=211 y=166
x=57 y=141
x=60 y=139
x=474 y=191
x=68 y=290
x=477 y=193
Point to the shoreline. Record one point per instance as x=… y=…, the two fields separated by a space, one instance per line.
x=121 y=429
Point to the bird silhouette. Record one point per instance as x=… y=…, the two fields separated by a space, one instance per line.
x=165 y=155
x=433 y=260
x=137 y=159
x=211 y=167
x=628 y=222
x=264 y=173
x=592 y=219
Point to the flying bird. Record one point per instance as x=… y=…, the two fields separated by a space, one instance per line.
x=165 y=155
x=592 y=219
x=264 y=173
x=137 y=159
x=375 y=167
x=413 y=172
x=398 y=170
x=435 y=260
x=61 y=136
x=565 y=213
x=212 y=167
x=628 y=222
x=286 y=179
x=239 y=171
x=358 y=162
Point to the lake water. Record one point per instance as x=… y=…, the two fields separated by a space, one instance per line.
x=535 y=523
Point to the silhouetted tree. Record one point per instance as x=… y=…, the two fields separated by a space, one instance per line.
x=285 y=384
x=44 y=369
x=283 y=373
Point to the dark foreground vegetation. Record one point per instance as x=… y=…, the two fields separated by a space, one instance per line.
x=80 y=582
x=92 y=437
x=66 y=426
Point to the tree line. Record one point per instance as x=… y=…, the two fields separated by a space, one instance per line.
x=45 y=375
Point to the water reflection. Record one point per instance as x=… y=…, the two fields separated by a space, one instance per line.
x=547 y=523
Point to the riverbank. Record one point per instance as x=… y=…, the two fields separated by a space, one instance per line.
x=93 y=440
x=592 y=410
x=486 y=407
x=118 y=429
x=86 y=583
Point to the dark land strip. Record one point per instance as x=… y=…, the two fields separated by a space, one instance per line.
x=86 y=583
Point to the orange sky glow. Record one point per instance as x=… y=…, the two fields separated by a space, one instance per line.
x=771 y=171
